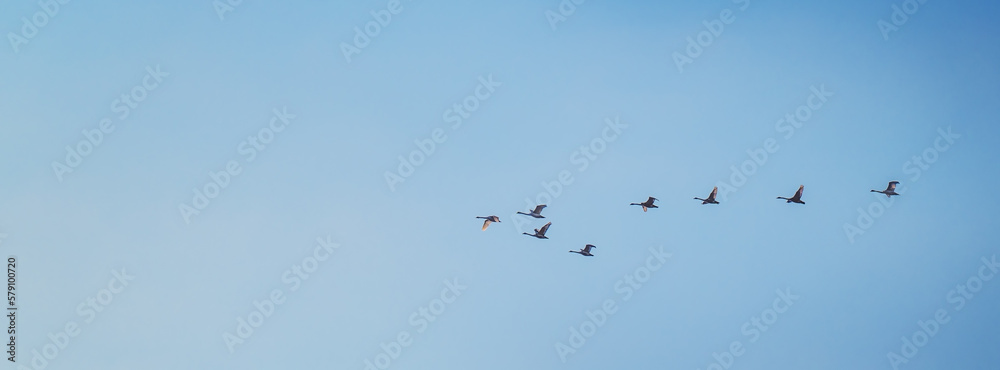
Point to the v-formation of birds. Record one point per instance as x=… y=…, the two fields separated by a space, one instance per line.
x=585 y=251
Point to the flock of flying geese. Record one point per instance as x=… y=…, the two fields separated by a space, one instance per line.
x=585 y=251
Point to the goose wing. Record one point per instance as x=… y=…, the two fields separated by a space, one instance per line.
x=650 y=200
x=486 y=224
x=715 y=191
x=798 y=194
x=538 y=209
x=588 y=247
x=892 y=186
x=544 y=229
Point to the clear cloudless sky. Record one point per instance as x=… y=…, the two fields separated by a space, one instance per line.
x=324 y=176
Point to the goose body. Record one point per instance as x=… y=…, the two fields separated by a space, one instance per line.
x=647 y=204
x=890 y=190
x=585 y=251
x=540 y=233
x=489 y=219
x=711 y=197
x=537 y=213
x=797 y=198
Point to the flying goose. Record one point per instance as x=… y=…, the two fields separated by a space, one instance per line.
x=797 y=198
x=711 y=197
x=540 y=233
x=537 y=213
x=889 y=191
x=586 y=250
x=647 y=204
x=488 y=220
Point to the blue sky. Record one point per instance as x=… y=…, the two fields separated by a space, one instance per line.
x=404 y=247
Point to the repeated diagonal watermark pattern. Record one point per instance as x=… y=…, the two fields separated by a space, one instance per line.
x=753 y=329
x=713 y=29
x=457 y=114
x=899 y=16
x=627 y=286
x=249 y=148
x=582 y=157
x=564 y=10
x=363 y=36
x=792 y=121
x=958 y=297
x=123 y=105
x=293 y=277
x=33 y=24
x=89 y=310
x=225 y=6
x=420 y=320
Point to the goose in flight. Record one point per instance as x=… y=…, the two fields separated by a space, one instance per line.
x=586 y=250
x=889 y=191
x=488 y=220
x=537 y=213
x=797 y=198
x=540 y=233
x=647 y=204
x=711 y=197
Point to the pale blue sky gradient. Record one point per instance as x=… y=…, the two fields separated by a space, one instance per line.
x=324 y=175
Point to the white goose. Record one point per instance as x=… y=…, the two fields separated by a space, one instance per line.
x=537 y=213
x=586 y=250
x=540 y=233
x=647 y=204
x=711 y=197
x=797 y=198
x=890 y=190
x=488 y=220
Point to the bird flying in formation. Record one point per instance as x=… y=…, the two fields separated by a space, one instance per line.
x=488 y=220
x=586 y=250
x=647 y=204
x=540 y=233
x=711 y=197
x=797 y=198
x=890 y=190
x=537 y=213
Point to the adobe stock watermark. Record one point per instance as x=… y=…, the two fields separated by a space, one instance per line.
x=219 y=181
x=958 y=297
x=92 y=138
x=900 y=14
x=753 y=328
x=704 y=39
x=915 y=167
x=30 y=26
x=565 y=9
x=759 y=156
x=627 y=286
x=420 y=320
x=88 y=309
x=363 y=37
x=225 y=6
x=456 y=115
x=582 y=157
x=293 y=277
